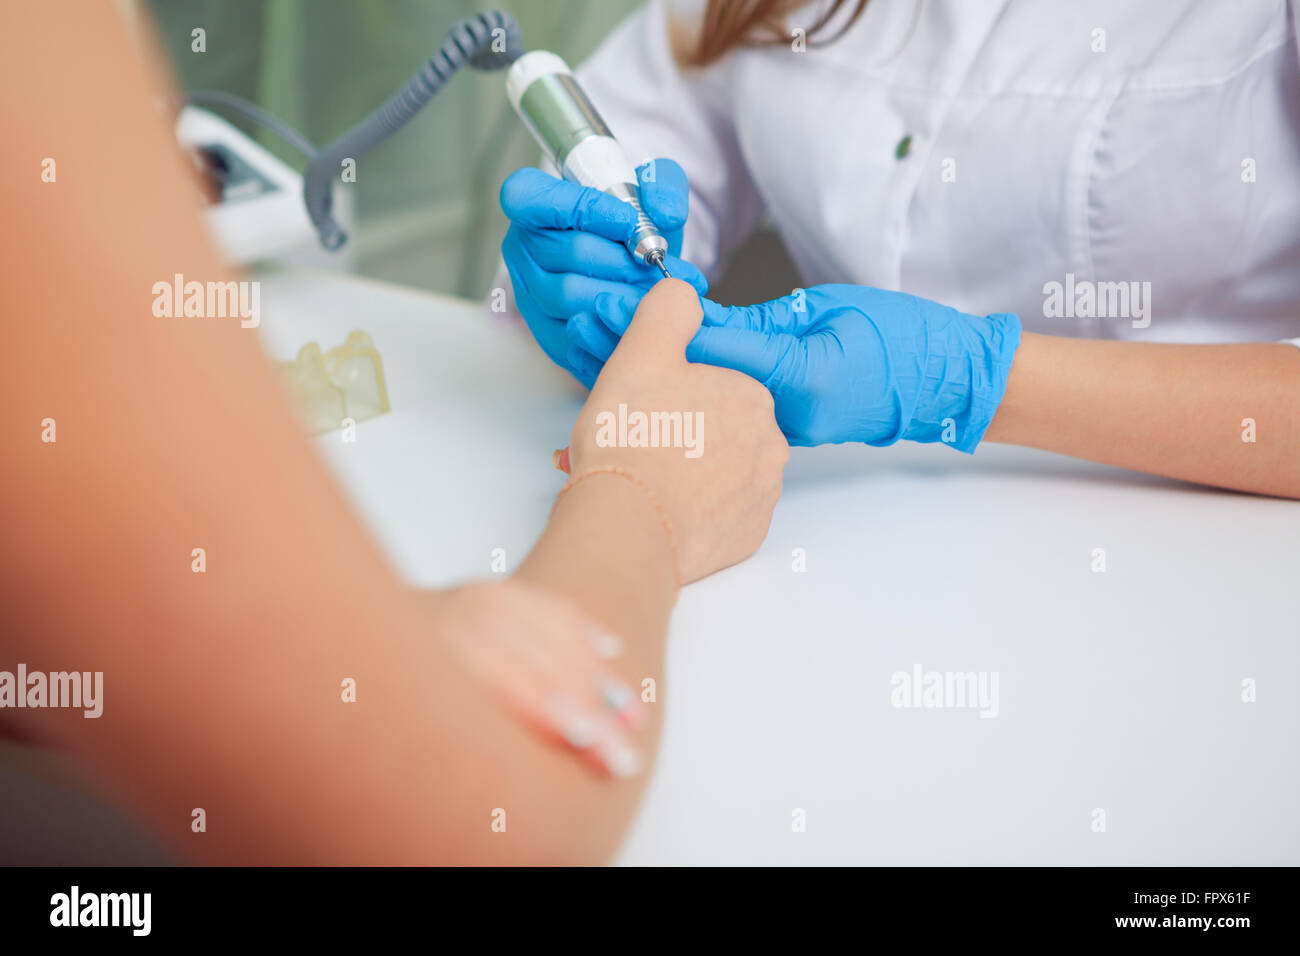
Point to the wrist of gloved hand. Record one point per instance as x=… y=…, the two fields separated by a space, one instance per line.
x=969 y=372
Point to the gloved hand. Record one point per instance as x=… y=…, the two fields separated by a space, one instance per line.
x=853 y=363
x=565 y=247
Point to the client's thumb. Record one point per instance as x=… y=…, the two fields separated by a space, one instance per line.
x=666 y=320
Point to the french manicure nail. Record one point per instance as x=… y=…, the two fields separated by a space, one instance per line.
x=568 y=720
x=616 y=695
x=606 y=645
x=620 y=758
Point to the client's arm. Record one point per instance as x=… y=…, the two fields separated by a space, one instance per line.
x=222 y=690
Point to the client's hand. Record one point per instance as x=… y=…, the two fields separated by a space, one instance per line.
x=853 y=363
x=549 y=662
x=702 y=440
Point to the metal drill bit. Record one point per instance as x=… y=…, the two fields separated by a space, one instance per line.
x=657 y=258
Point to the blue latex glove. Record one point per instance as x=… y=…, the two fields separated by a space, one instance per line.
x=565 y=247
x=853 y=363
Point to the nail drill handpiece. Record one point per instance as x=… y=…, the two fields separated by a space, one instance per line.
x=547 y=97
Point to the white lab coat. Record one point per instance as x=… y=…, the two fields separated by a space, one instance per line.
x=1051 y=142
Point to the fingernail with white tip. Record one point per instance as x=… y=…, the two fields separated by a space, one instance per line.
x=620 y=758
x=578 y=729
x=616 y=695
x=606 y=646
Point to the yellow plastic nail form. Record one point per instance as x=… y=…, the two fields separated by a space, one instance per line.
x=346 y=382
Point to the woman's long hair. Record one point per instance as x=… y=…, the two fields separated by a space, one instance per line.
x=728 y=24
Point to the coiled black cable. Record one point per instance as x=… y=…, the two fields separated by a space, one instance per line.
x=487 y=41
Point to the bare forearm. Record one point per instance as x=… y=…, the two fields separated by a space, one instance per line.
x=225 y=690
x=607 y=549
x=416 y=770
x=1226 y=415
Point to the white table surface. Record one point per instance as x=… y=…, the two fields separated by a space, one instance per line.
x=1118 y=690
